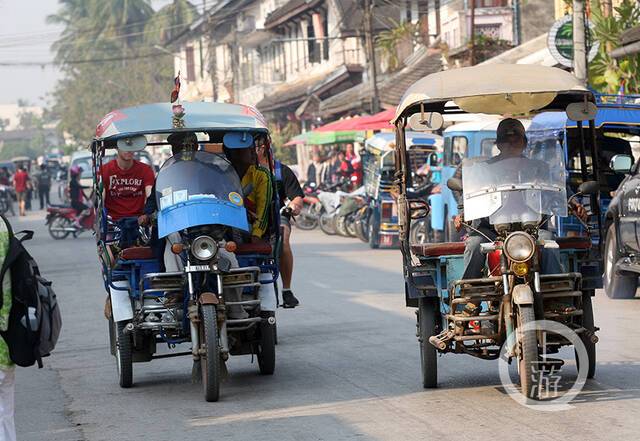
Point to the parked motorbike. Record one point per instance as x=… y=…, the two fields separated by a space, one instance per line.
x=345 y=217
x=330 y=201
x=308 y=217
x=61 y=221
x=6 y=198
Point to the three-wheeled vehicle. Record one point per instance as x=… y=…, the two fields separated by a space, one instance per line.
x=424 y=150
x=518 y=196
x=211 y=268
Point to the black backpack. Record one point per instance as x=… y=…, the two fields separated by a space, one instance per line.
x=34 y=319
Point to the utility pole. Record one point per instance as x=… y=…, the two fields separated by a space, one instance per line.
x=472 y=39
x=579 y=42
x=423 y=17
x=371 y=55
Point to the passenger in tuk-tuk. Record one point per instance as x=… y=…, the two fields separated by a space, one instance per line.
x=511 y=142
x=239 y=147
x=289 y=189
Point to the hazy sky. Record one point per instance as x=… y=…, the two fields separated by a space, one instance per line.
x=25 y=36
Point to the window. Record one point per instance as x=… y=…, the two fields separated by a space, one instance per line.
x=312 y=45
x=191 y=68
x=458 y=149
x=488 y=147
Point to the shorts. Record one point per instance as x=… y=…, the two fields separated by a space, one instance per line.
x=21 y=196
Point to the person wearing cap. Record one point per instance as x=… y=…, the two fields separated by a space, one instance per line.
x=511 y=141
x=126 y=184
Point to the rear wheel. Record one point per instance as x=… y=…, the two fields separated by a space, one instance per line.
x=616 y=286
x=528 y=354
x=427 y=326
x=588 y=324
x=58 y=227
x=267 y=348
x=124 y=355
x=210 y=354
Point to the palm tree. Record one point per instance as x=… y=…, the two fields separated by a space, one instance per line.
x=169 y=21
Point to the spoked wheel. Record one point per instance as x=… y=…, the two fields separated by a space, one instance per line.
x=58 y=227
x=616 y=286
x=327 y=224
x=124 y=355
x=588 y=338
x=210 y=356
x=341 y=227
x=428 y=326
x=528 y=355
x=266 y=348
x=350 y=226
x=307 y=219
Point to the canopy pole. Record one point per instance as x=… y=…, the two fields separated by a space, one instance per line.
x=583 y=154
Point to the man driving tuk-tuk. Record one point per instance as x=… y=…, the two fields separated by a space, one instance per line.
x=485 y=299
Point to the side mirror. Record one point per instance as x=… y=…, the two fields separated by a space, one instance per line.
x=426 y=121
x=589 y=187
x=454 y=184
x=582 y=111
x=621 y=163
x=433 y=159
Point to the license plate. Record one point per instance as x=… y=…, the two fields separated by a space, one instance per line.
x=197 y=268
x=386 y=240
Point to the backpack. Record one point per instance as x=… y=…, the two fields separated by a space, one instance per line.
x=34 y=319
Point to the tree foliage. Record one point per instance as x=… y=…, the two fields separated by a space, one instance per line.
x=607 y=74
x=108 y=54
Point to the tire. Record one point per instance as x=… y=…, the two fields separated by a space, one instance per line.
x=4 y=205
x=327 y=223
x=210 y=356
x=528 y=355
x=59 y=222
x=419 y=233
x=307 y=220
x=350 y=225
x=267 y=348
x=340 y=226
x=374 y=240
x=112 y=337
x=427 y=327
x=124 y=355
x=362 y=227
x=588 y=323
x=616 y=286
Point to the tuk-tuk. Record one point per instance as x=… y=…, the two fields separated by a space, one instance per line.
x=504 y=313
x=24 y=161
x=379 y=169
x=201 y=226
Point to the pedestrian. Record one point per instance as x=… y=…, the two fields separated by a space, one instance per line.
x=313 y=171
x=44 y=186
x=7 y=368
x=20 y=184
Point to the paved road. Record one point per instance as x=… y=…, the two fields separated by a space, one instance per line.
x=347 y=368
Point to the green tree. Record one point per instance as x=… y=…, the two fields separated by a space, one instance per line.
x=607 y=74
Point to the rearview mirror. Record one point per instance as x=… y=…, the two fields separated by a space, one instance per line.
x=132 y=144
x=589 y=187
x=426 y=121
x=419 y=209
x=621 y=163
x=454 y=184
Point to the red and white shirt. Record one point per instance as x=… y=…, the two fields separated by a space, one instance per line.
x=125 y=189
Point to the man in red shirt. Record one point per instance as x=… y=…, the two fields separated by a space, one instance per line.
x=20 y=182
x=127 y=184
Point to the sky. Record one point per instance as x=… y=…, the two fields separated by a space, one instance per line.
x=25 y=36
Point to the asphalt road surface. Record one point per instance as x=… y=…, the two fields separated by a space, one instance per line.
x=347 y=367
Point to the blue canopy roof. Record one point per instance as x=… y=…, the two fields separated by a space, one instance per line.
x=613 y=116
x=158 y=118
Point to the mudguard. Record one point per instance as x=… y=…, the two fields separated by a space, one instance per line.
x=120 y=302
x=522 y=295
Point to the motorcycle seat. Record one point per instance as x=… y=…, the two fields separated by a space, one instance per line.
x=137 y=253
x=579 y=243
x=438 y=249
x=262 y=247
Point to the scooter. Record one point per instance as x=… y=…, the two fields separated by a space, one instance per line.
x=61 y=220
x=330 y=202
x=308 y=217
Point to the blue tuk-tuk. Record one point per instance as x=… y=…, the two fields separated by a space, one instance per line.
x=378 y=158
x=211 y=269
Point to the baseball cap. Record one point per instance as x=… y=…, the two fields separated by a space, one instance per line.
x=509 y=127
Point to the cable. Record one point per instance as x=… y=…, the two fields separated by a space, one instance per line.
x=96 y=60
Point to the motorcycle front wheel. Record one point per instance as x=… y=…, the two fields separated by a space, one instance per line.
x=528 y=356
x=307 y=219
x=210 y=354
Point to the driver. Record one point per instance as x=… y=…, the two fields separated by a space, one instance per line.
x=511 y=141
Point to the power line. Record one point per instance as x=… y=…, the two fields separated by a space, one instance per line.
x=89 y=61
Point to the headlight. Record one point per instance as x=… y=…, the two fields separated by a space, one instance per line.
x=519 y=247
x=204 y=247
